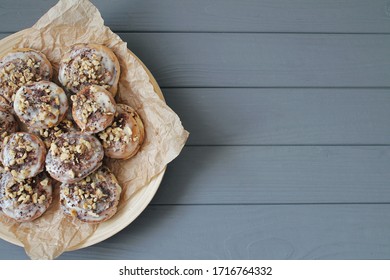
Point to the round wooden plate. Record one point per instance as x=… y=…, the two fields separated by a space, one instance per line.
x=126 y=214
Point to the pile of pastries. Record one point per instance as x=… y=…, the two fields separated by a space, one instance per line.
x=68 y=128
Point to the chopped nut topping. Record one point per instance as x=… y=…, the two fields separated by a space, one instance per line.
x=54 y=149
x=99 y=193
x=118 y=131
x=86 y=70
x=5 y=141
x=86 y=143
x=50 y=134
x=88 y=194
x=41 y=199
x=65 y=156
x=45 y=182
x=24 y=173
x=24 y=192
x=19 y=72
x=70 y=152
x=35 y=198
x=21 y=148
x=86 y=106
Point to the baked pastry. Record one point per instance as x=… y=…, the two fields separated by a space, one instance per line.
x=20 y=67
x=73 y=156
x=23 y=155
x=49 y=135
x=41 y=104
x=8 y=124
x=93 y=199
x=125 y=136
x=25 y=200
x=93 y=109
x=89 y=64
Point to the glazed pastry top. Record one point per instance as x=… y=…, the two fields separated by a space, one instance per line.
x=23 y=155
x=25 y=200
x=74 y=155
x=93 y=109
x=41 y=104
x=92 y=199
x=21 y=67
x=89 y=64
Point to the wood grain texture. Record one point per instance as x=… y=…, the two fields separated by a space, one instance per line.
x=219 y=15
x=250 y=232
x=245 y=232
x=261 y=175
x=264 y=60
x=242 y=116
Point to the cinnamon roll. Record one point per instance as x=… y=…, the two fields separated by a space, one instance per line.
x=125 y=136
x=93 y=109
x=87 y=64
x=23 y=155
x=25 y=200
x=20 y=67
x=93 y=199
x=8 y=124
x=49 y=135
x=41 y=105
x=73 y=156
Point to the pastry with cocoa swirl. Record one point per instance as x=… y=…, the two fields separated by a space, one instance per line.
x=25 y=200
x=93 y=109
x=89 y=64
x=20 y=67
x=41 y=105
x=49 y=135
x=23 y=155
x=124 y=137
x=93 y=199
x=73 y=156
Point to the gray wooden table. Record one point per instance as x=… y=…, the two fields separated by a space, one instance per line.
x=288 y=105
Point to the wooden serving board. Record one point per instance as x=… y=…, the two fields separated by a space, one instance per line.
x=126 y=214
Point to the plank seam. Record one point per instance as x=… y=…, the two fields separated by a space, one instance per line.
x=288 y=145
x=270 y=204
x=230 y=32
x=274 y=87
x=246 y=32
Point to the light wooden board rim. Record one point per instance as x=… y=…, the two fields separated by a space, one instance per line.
x=133 y=207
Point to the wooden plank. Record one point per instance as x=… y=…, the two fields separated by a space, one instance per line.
x=9 y=251
x=262 y=175
x=219 y=15
x=250 y=232
x=243 y=116
x=264 y=60
x=245 y=232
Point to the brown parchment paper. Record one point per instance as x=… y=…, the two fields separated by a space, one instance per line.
x=78 y=21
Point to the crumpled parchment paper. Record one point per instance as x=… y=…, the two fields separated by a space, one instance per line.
x=78 y=21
